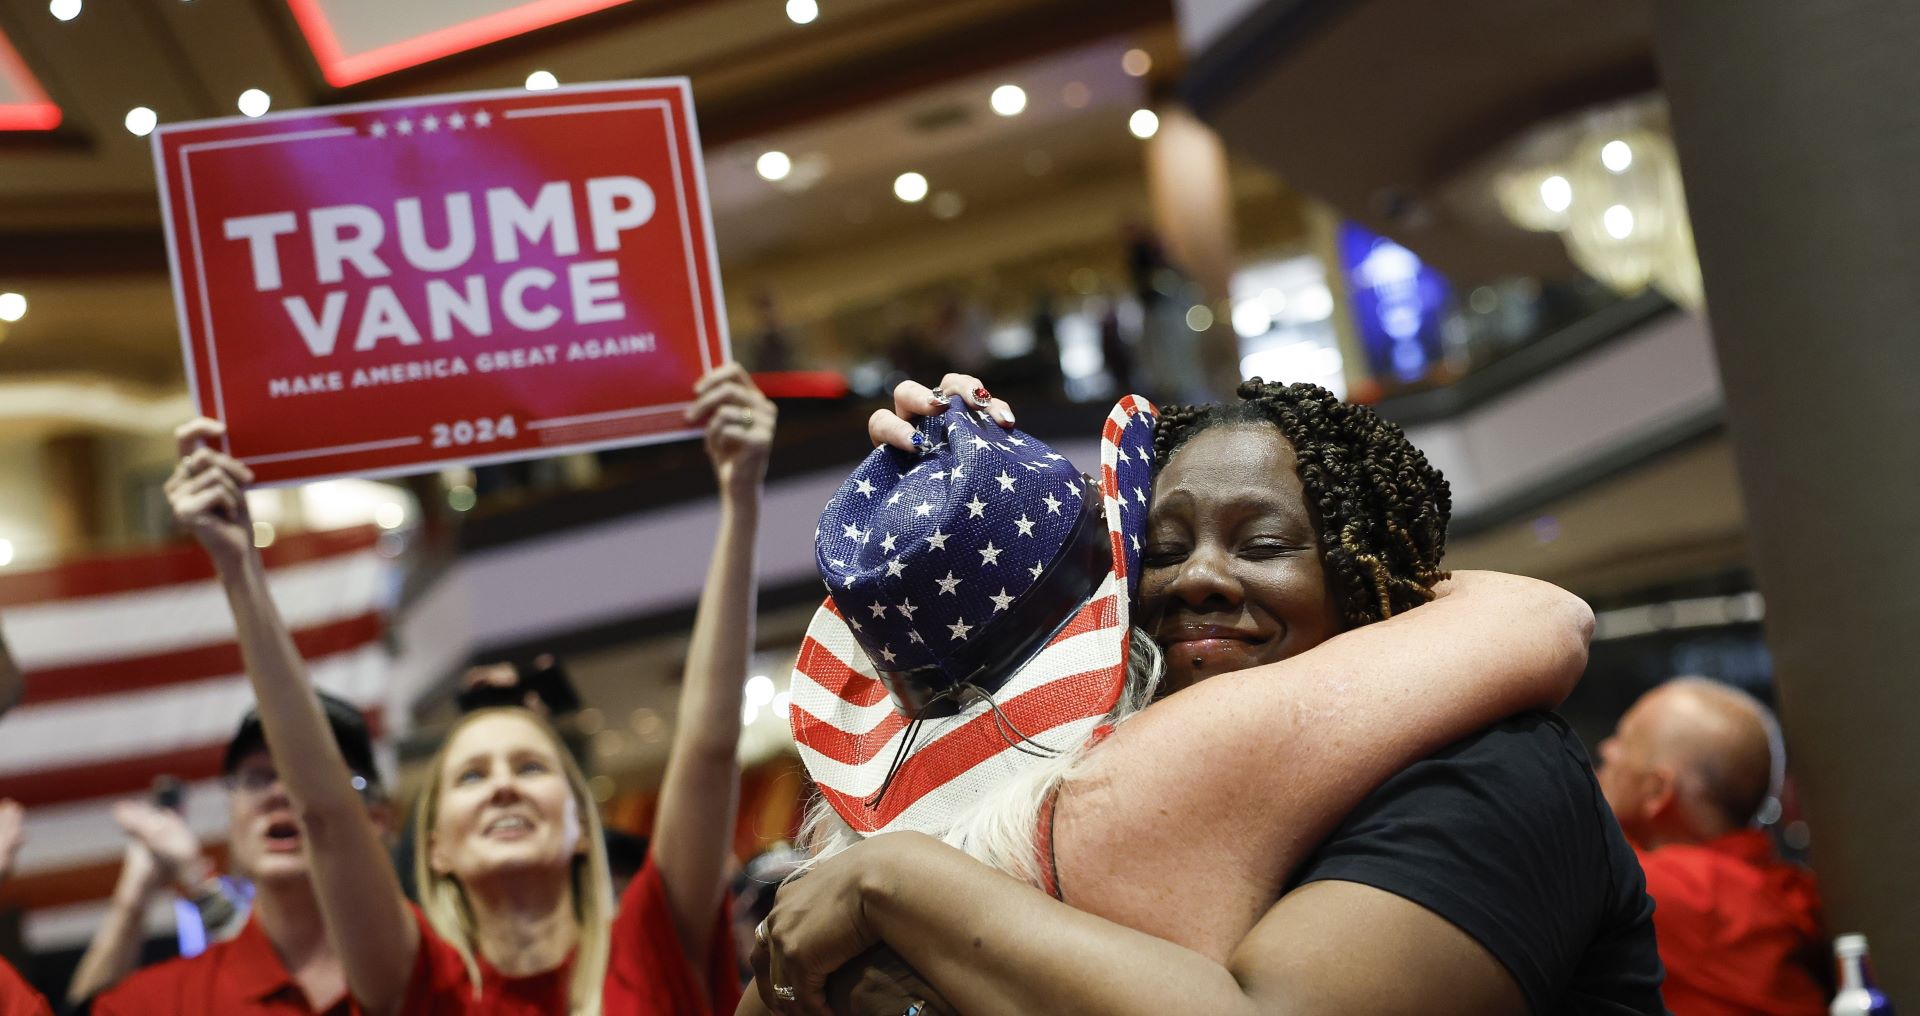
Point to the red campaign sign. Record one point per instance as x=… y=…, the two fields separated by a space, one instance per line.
x=391 y=287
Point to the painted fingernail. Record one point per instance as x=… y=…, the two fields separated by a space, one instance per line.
x=919 y=442
x=940 y=398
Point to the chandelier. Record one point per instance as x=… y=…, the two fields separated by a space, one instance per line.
x=1608 y=181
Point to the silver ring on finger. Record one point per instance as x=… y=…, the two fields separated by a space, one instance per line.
x=760 y=932
x=746 y=418
x=785 y=993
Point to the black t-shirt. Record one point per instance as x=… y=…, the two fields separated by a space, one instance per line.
x=1506 y=835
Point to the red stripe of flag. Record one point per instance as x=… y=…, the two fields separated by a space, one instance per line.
x=168 y=566
x=830 y=672
x=183 y=666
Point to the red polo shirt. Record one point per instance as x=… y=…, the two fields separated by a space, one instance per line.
x=1740 y=930
x=241 y=976
x=647 y=970
x=17 y=997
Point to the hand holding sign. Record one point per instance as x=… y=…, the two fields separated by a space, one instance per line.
x=208 y=493
x=739 y=422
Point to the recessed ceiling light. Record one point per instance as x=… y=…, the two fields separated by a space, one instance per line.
x=13 y=307
x=1136 y=62
x=802 y=12
x=773 y=166
x=254 y=102
x=910 y=187
x=65 y=10
x=1008 y=100
x=141 y=121
x=541 y=81
x=1143 y=123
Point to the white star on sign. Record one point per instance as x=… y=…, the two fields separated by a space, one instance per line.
x=1025 y=524
x=1036 y=569
x=990 y=554
x=894 y=568
x=1002 y=601
x=458 y=121
x=886 y=654
x=948 y=584
x=482 y=119
x=976 y=507
x=939 y=540
x=879 y=610
x=431 y=123
x=378 y=130
x=1006 y=482
x=960 y=629
x=405 y=126
x=850 y=531
x=1052 y=503
x=906 y=608
x=863 y=487
x=887 y=544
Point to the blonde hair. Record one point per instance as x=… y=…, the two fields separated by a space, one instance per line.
x=999 y=830
x=444 y=901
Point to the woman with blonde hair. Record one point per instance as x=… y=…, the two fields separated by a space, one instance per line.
x=517 y=908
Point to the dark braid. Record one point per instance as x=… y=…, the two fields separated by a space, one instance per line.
x=1380 y=510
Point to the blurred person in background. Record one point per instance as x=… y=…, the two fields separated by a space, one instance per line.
x=1197 y=859
x=281 y=962
x=518 y=909
x=1687 y=771
x=17 y=997
x=162 y=851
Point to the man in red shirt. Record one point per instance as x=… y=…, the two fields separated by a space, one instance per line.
x=1686 y=771
x=280 y=963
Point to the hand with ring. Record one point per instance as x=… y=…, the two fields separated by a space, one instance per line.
x=739 y=423
x=913 y=400
x=818 y=924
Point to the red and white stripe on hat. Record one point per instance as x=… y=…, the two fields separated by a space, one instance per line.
x=133 y=672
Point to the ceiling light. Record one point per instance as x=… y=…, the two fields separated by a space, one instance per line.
x=1143 y=123
x=1199 y=317
x=1617 y=155
x=1556 y=193
x=254 y=102
x=947 y=205
x=1008 y=100
x=1136 y=62
x=141 y=121
x=65 y=10
x=389 y=514
x=1618 y=220
x=773 y=166
x=13 y=307
x=6 y=553
x=802 y=12
x=541 y=81
x=910 y=187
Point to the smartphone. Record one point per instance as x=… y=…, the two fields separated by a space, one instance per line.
x=169 y=793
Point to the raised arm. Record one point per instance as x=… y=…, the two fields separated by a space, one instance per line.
x=161 y=850
x=359 y=893
x=698 y=795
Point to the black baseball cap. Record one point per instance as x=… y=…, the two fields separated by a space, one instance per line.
x=349 y=732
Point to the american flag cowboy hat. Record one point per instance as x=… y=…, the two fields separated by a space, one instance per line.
x=977 y=614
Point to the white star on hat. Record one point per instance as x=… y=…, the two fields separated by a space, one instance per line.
x=887 y=544
x=939 y=540
x=948 y=584
x=863 y=487
x=1006 y=481
x=1001 y=602
x=976 y=508
x=960 y=628
x=906 y=608
x=1037 y=569
x=1052 y=503
x=990 y=554
x=886 y=654
x=923 y=509
x=850 y=531
x=894 y=567
x=1025 y=524
x=879 y=610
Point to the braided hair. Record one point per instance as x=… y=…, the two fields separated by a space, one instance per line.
x=1379 y=509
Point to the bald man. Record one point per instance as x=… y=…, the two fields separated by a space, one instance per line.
x=1686 y=771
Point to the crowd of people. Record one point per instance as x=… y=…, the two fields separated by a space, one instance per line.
x=1208 y=728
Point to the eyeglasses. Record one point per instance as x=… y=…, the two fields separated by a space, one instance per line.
x=257 y=781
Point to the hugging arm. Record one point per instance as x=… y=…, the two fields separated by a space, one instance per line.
x=366 y=914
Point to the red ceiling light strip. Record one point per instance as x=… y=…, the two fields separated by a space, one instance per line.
x=342 y=68
x=38 y=113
